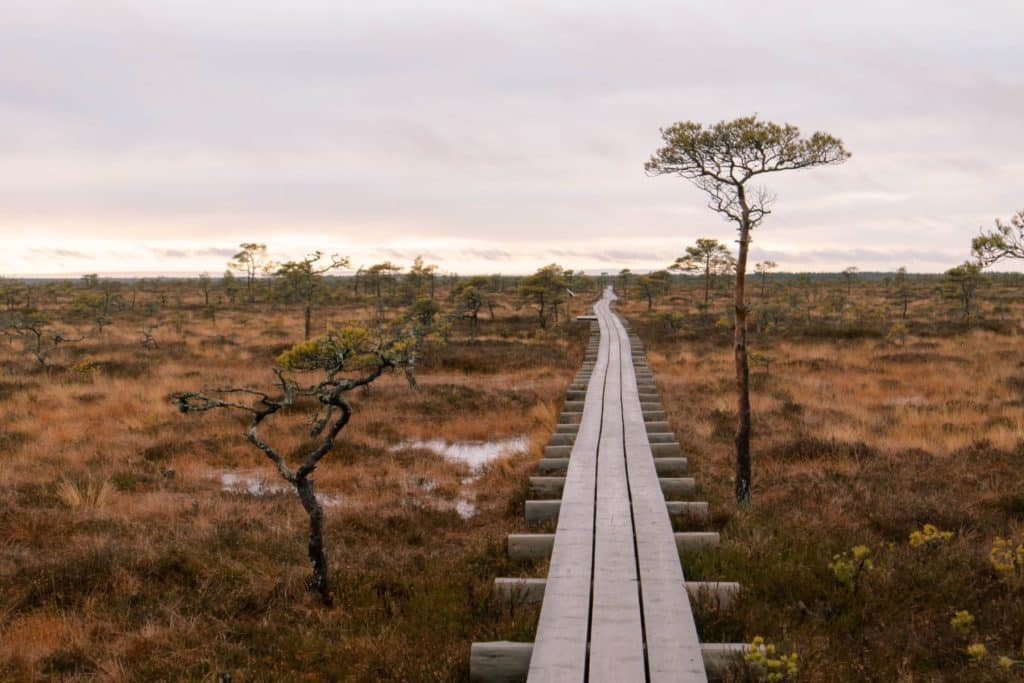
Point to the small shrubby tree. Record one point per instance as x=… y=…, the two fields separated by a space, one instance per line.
x=545 y=291
x=205 y=284
x=39 y=336
x=375 y=276
x=252 y=260
x=625 y=276
x=708 y=256
x=302 y=280
x=1006 y=240
x=850 y=276
x=652 y=285
x=723 y=160
x=419 y=280
x=901 y=290
x=343 y=359
x=470 y=297
x=961 y=283
x=763 y=268
x=229 y=285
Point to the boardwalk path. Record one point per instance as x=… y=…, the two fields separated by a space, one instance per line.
x=615 y=605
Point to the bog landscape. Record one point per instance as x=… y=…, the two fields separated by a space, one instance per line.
x=490 y=344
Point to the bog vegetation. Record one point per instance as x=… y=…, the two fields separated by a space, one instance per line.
x=883 y=541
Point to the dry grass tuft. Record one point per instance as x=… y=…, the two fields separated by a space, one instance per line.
x=84 y=495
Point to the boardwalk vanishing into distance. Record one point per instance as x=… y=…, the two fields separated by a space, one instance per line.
x=615 y=604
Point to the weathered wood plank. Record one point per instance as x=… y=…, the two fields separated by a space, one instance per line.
x=560 y=650
x=673 y=648
x=616 y=639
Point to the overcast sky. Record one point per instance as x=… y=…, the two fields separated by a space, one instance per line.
x=492 y=137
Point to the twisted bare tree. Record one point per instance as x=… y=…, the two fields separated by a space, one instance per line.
x=345 y=359
x=722 y=160
x=39 y=336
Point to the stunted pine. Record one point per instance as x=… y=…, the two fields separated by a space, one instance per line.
x=545 y=290
x=763 y=268
x=1006 y=240
x=343 y=359
x=252 y=260
x=708 y=256
x=302 y=281
x=723 y=160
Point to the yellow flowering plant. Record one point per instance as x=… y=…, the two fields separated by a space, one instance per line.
x=1006 y=559
x=962 y=621
x=848 y=566
x=929 y=536
x=764 y=661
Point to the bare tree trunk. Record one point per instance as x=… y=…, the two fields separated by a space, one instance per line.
x=308 y=313
x=707 y=282
x=318 y=582
x=742 y=372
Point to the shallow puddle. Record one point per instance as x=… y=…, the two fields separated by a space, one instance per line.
x=255 y=484
x=476 y=454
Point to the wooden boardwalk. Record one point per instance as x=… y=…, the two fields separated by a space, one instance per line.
x=615 y=604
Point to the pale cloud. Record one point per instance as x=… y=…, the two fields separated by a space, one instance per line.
x=491 y=134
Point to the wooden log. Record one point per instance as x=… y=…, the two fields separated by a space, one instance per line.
x=711 y=595
x=508 y=662
x=666 y=450
x=658 y=427
x=675 y=487
x=499 y=662
x=708 y=595
x=567 y=429
x=557 y=451
x=723 y=660
x=546 y=487
x=668 y=467
x=696 y=510
x=661 y=437
x=521 y=591
x=542 y=510
x=562 y=439
x=696 y=541
x=553 y=465
x=655 y=416
x=570 y=418
x=530 y=546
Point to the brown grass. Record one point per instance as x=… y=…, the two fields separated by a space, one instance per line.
x=859 y=441
x=123 y=559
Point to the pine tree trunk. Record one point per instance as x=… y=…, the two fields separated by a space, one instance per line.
x=318 y=583
x=743 y=478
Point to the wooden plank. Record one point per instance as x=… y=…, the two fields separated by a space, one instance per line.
x=616 y=638
x=560 y=646
x=673 y=648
